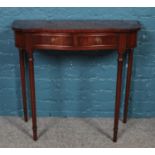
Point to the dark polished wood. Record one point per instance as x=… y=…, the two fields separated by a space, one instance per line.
x=76 y=26
x=79 y=35
x=118 y=95
x=121 y=50
x=128 y=81
x=23 y=81
x=32 y=95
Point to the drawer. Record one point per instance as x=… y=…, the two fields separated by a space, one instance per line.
x=96 y=40
x=54 y=40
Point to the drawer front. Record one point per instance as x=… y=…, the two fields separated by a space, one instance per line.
x=97 y=40
x=65 y=41
x=52 y=40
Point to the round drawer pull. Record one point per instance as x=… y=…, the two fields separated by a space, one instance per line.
x=53 y=39
x=98 y=40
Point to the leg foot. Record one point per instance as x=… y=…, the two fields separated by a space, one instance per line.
x=115 y=135
x=35 y=137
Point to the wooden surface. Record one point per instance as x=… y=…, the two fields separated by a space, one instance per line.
x=74 y=36
x=76 y=25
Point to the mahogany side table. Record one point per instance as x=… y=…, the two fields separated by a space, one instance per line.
x=75 y=35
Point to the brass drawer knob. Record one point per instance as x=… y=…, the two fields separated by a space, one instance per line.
x=53 y=39
x=98 y=40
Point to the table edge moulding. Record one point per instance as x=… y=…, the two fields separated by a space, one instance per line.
x=75 y=35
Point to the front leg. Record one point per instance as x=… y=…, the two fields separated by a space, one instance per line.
x=118 y=95
x=128 y=83
x=23 y=81
x=32 y=94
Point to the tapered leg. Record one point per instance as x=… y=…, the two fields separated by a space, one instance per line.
x=128 y=81
x=118 y=95
x=32 y=95
x=23 y=82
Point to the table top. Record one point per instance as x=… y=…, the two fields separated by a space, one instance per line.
x=76 y=25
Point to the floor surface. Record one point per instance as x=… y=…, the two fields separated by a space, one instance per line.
x=76 y=132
